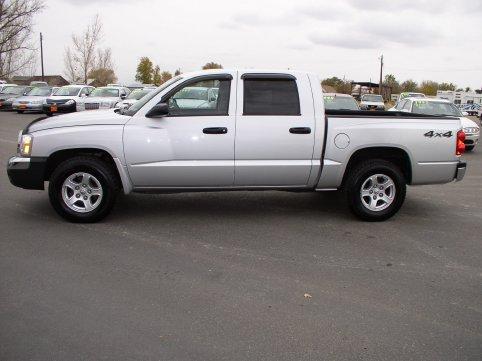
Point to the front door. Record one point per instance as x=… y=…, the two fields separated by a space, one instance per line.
x=274 y=130
x=193 y=146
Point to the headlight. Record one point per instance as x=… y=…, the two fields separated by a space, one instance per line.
x=70 y=102
x=25 y=146
x=471 y=130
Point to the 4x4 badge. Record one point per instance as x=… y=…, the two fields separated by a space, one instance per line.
x=433 y=134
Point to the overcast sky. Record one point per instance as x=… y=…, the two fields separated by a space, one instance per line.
x=424 y=39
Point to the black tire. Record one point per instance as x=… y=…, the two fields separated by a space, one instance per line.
x=49 y=114
x=20 y=111
x=101 y=170
x=469 y=148
x=359 y=174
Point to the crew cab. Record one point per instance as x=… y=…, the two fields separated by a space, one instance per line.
x=261 y=130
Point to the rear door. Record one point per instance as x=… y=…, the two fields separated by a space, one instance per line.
x=274 y=130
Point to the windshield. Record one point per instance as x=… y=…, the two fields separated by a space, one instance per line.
x=68 y=90
x=105 y=92
x=138 y=94
x=138 y=105
x=40 y=91
x=372 y=98
x=12 y=90
x=340 y=103
x=435 y=108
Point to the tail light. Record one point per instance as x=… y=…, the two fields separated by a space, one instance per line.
x=460 y=148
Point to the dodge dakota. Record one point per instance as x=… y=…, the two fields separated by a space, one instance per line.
x=260 y=130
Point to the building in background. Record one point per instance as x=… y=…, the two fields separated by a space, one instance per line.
x=52 y=80
x=461 y=98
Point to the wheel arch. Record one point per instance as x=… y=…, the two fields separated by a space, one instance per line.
x=55 y=158
x=395 y=155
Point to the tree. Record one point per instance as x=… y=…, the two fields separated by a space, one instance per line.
x=467 y=89
x=429 y=87
x=177 y=72
x=212 y=65
x=340 y=85
x=409 y=86
x=104 y=59
x=392 y=82
x=156 y=75
x=145 y=70
x=165 y=76
x=103 y=76
x=103 y=72
x=81 y=58
x=16 y=28
x=447 y=86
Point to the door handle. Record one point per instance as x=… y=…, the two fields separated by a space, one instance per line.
x=300 y=130
x=215 y=130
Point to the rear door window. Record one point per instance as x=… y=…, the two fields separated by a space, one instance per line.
x=271 y=97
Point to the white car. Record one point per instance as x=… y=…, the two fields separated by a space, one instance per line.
x=103 y=98
x=133 y=97
x=372 y=102
x=65 y=99
x=3 y=86
x=399 y=104
x=439 y=107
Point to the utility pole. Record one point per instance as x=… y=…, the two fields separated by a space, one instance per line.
x=381 y=76
x=42 y=56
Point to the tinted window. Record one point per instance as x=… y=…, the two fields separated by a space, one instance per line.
x=271 y=97
x=204 y=97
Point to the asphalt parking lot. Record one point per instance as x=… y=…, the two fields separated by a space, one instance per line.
x=241 y=276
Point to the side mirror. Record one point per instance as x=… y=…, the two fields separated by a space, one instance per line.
x=159 y=110
x=123 y=96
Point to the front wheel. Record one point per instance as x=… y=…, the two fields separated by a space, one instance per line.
x=375 y=190
x=83 y=189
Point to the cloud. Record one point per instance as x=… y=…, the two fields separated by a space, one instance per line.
x=321 y=12
x=387 y=31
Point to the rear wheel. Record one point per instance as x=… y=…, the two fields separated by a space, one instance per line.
x=83 y=189
x=375 y=190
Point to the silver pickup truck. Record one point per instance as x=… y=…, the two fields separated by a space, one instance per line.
x=260 y=130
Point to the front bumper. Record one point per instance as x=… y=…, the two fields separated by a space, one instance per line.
x=471 y=139
x=27 y=107
x=61 y=108
x=27 y=173
x=460 y=172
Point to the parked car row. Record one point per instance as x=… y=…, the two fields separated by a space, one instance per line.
x=70 y=98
